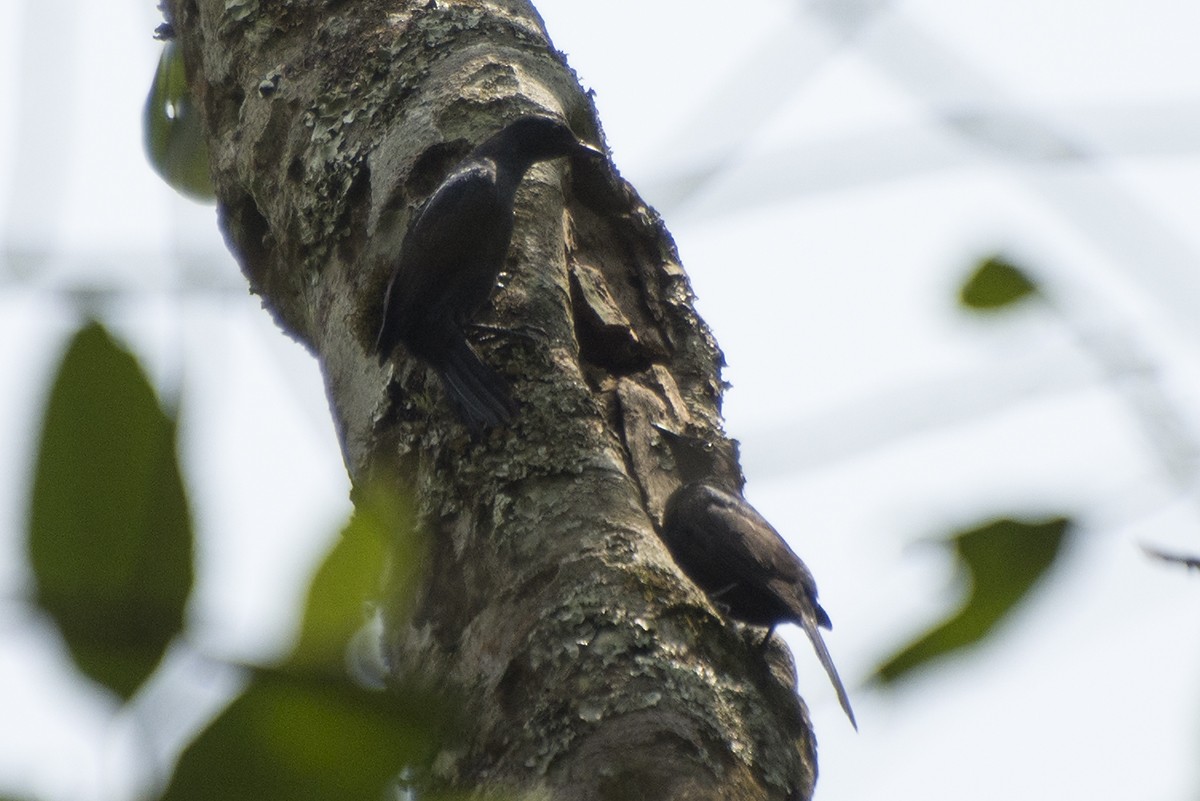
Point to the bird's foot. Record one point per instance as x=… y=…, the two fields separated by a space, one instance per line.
x=762 y=646
x=520 y=330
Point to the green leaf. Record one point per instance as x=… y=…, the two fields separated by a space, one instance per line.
x=306 y=732
x=110 y=535
x=1003 y=560
x=173 y=131
x=305 y=737
x=995 y=284
x=351 y=575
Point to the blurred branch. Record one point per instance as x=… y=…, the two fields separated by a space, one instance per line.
x=857 y=426
x=880 y=155
x=1190 y=562
x=946 y=82
x=749 y=97
x=119 y=274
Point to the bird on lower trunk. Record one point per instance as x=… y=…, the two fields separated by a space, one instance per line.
x=742 y=563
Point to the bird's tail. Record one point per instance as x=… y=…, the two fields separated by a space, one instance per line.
x=480 y=397
x=818 y=643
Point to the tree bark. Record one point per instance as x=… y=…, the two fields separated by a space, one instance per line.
x=589 y=666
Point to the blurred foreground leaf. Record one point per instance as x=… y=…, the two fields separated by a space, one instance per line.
x=1003 y=560
x=351 y=575
x=110 y=535
x=173 y=130
x=306 y=731
x=304 y=737
x=995 y=284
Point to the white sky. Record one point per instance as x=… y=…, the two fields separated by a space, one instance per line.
x=857 y=178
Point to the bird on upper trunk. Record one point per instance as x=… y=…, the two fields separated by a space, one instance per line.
x=450 y=259
x=742 y=563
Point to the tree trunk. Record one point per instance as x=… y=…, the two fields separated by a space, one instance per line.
x=589 y=666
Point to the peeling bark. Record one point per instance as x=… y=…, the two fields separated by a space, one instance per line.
x=589 y=667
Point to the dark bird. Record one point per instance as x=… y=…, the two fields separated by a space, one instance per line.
x=732 y=553
x=451 y=257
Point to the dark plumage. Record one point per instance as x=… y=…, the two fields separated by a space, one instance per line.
x=451 y=257
x=732 y=553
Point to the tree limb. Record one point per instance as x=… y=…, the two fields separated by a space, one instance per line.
x=589 y=667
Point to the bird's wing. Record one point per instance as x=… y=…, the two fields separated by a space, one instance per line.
x=467 y=195
x=450 y=230
x=755 y=547
x=456 y=227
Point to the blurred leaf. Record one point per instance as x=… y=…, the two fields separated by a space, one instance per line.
x=351 y=575
x=110 y=535
x=305 y=737
x=173 y=130
x=995 y=284
x=306 y=732
x=1004 y=560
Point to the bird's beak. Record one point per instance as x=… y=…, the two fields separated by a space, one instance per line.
x=585 y=149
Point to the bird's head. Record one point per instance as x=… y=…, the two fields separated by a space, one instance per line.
x=537 y=138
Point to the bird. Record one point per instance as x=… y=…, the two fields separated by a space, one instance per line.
x=741 y=562
x=450 y=259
